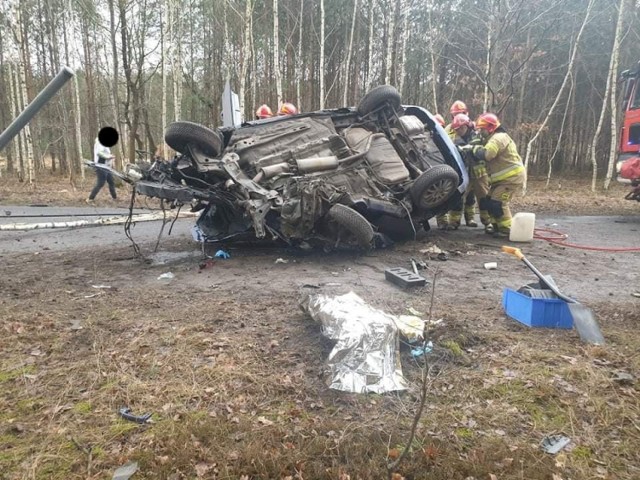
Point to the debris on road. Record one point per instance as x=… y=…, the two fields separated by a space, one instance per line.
x=365 y=358
x=101 y=286
x=281 y=260
x=491 y=265
x=222 y=254
x=75 y=325
x=411 y=328
x=126 y=471
x=166 y=276
x=554 y=443
x=404 y=278
x=125 y=413
x=421 y=350
x=433 y=249
x=623 y=378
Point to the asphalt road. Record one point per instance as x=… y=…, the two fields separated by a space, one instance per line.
x=601 y=231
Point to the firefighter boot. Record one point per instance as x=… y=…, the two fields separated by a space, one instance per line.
x=442 y=221
x=454 y=220
x=470 y=215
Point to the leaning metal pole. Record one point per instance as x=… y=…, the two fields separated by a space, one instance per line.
x=63 y=76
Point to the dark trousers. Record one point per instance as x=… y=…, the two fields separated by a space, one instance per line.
x=101 y=178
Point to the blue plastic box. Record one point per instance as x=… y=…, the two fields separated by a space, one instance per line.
x=536 y=312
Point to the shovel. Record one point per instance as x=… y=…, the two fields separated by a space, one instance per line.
x=583 y=317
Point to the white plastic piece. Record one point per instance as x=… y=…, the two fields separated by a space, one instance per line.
x=522 y=227
x=491 y=265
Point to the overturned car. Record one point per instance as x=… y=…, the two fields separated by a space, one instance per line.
x=349 y=176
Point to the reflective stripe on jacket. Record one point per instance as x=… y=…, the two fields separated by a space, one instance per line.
x=501 y=155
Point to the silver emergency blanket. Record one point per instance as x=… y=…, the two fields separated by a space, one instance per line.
x=366 y=356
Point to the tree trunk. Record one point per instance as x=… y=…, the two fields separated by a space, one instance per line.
x=22 y=93
x=487 y=67
x=432 y=54
x=615 y=49
x=177 y=60
x=246 y=58
x=347 y=65
x=78 y=164
x=276 y=54
x=369 y=78
x=298 y=67
x=390 y=38
x=321 y=64
x=404 y=11
x=164 y=43
x=615 y=55
x=114 y=84
x=13 y=99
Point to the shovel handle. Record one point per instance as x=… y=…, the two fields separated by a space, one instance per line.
x=516 y=252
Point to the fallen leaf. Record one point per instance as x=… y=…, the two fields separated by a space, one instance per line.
x=264 y=421
x=393 y=454
x=492 y=477
x=202 y=469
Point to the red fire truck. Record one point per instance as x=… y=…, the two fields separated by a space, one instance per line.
x=628 y=164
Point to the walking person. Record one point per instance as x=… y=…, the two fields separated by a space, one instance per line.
x=102 y=155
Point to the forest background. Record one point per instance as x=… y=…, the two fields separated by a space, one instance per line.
x=548 y=68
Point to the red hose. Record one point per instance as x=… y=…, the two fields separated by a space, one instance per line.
x=559 y=238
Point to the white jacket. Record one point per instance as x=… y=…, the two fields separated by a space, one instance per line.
x=101 y=154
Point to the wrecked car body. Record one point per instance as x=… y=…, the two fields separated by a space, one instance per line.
x=350 y=176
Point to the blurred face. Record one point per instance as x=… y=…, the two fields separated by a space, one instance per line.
x=462 y=131
x=483 y=132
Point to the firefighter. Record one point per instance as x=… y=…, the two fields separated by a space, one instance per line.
x=287 y=109
x=264 y=112
x=443 y=221
x=461 y=134
x=505 y=169
x=457 y=107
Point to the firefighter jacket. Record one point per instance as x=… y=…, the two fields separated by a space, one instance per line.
x=501 y=156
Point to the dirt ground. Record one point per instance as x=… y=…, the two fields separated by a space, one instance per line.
x=232 y=369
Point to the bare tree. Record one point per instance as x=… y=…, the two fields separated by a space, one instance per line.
x=276 y=54
x=246 y=54
x=321 y=68
x=615 y=50
x=347 y=65
x=615 y=58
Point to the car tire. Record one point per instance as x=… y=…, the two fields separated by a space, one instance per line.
x=377 y=97
x=179 y=135
x=353 y=223
x=434 y=186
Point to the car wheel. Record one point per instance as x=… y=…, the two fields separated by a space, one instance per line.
x=434 y=186
x=179 y=135
x=377 y=98
x=352 y=227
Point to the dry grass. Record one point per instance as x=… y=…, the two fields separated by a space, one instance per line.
x=233 y=377
x=234 y=383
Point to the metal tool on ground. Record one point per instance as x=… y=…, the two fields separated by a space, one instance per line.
x=583 y=317
x=125 y=413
